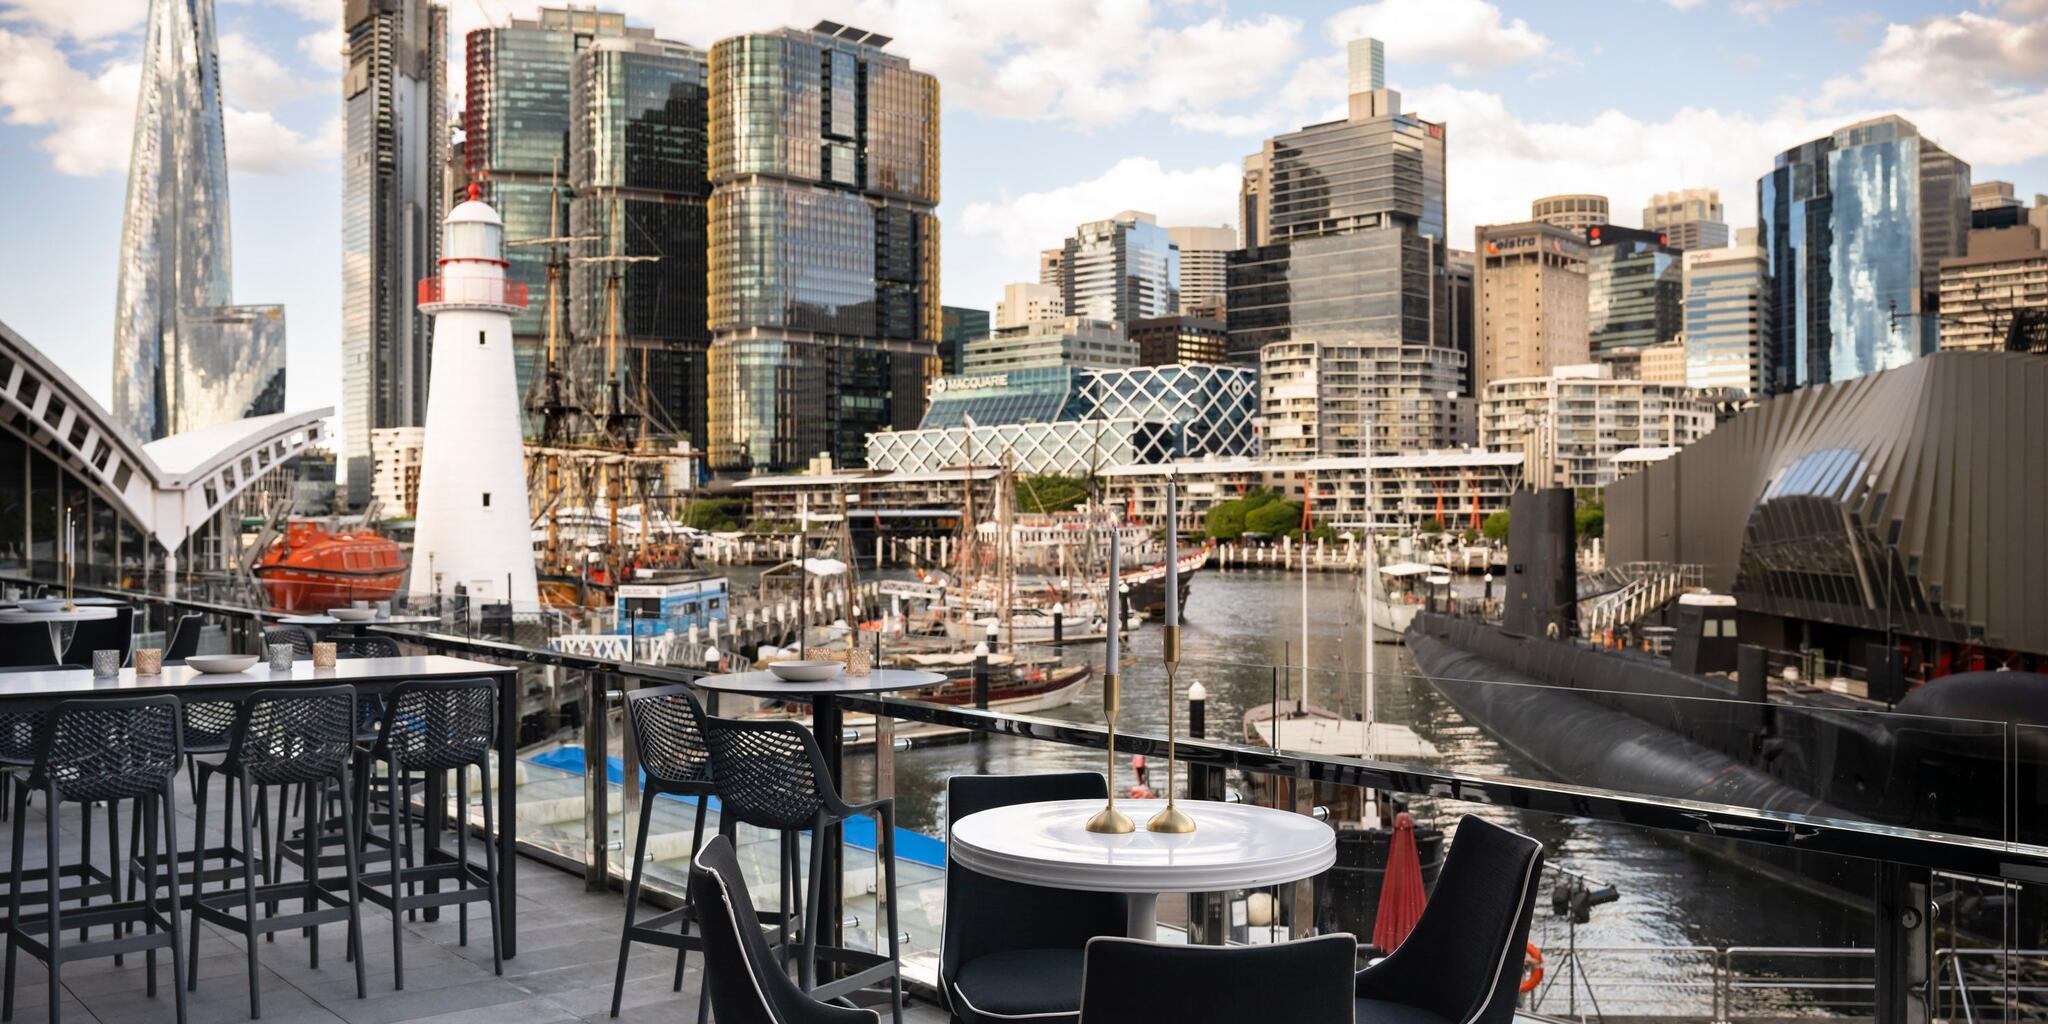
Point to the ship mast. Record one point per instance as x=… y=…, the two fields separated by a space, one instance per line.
x=617 y=420
x=555 y=406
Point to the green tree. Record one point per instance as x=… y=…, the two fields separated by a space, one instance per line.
x=1225 y=520
x=1471 y=535
x=1432 y=525
x=1050 y=493
x=1591 y=520
x=713 y=514
x=1496 y=526
x=1275 y=518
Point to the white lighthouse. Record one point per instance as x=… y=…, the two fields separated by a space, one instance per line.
x=473 y=525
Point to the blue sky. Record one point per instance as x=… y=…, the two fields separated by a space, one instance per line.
x=1056 y=111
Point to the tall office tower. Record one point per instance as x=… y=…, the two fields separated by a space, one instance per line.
x=1690 y=219
x=959 y=325
x=1727 y=318
x=1350 y=259
x=1531 y=300
x=637 y=157
x=824 y=246
x=1252 y=209
x=1635 y=291
x=1462 y=272
x=1204 y=268
x=515 y=124
x=1574 y=211
x=1052 y=268
x=1855 y=225
x=1122 y=268
x=183 y=356
x=393 y=189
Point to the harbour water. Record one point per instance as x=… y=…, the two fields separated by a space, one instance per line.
x=1673 y=902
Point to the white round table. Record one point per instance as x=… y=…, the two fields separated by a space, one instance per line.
x=57 y=620
x=1233 y=846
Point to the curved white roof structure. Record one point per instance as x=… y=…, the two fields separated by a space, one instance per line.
x=168 y=487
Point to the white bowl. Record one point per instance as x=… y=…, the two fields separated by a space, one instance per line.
x=221 y=664
x=353 y=614
x=806 y=671
x=42 y=604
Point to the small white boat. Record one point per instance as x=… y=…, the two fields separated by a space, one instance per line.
x=1395 y=596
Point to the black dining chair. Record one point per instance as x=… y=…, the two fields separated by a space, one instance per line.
x=1009 y=949
x=1307 y=981
x=675 y=756
x=184 y=641
x=26 y=645
x=110 y=634
x=1463 y=962
x=747 y=983
x=300 y=639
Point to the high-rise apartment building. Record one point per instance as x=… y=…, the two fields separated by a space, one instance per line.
x=1168 y=340
x=824 y=247
x=1204 y=268
x=1122 y=268
x=1634 y=290
x=1025 y=304
x=1689 y=219
x=1531 y=300
x=1855 y=226
x=394 y=170
x=1052 y=269
x=1569 y=425
x=959 y=325
x=516 y=121
x=1347 y=270
x=1727 y=318
x=1998 y=294
x=184 y=357
x=1575 y=211
x=637 y=158
x=1332 y=399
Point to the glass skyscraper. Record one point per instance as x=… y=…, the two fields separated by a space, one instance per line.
x=394 y=170
x=638 y=152
x=824 y=250
x=184 y=356
x=1122 y=268
x=1854 y=227
x=1634 y=290
x=1727 y=318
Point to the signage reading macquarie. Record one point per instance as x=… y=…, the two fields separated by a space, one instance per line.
x=981 y=382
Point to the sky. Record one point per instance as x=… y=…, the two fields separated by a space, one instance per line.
x=1054 y=112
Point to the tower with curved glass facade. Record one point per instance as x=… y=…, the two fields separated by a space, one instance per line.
x=183 y=356
x=824 y=250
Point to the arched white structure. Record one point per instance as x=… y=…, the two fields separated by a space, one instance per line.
x=168 y=487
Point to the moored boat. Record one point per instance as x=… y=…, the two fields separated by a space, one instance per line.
x=312 y=569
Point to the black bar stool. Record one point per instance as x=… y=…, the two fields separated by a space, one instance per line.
x=771 y=775
x=442 y=725
x=100 y=750
x=668 y=738
x=369 y=719
x=300 y=737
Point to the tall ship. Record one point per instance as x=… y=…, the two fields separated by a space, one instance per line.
x=1866 y=638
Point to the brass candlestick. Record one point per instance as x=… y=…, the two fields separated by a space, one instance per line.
x=1109 y=820
x=1171 y=818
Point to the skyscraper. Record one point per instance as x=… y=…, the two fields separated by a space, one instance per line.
x=637 y=157
x=1634 y=290
x=394 y=165
x=1855 y=226
x=959 y=325
x=824 y=276
x=516 y=146
x=1689 y=219
x=1121 y=268
x=183 y=356
x=1204 y=268
x=1531 y=300
x=1348 y=269
x=1727 y=318
x=1573 y=211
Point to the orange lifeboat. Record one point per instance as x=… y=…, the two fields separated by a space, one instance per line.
x=312 y=570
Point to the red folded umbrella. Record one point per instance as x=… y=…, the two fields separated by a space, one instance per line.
x=1401 y=895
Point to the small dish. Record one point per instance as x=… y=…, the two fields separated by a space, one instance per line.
x=42 y=604
x=221 y=664
x=352 y=614
x=805 y=671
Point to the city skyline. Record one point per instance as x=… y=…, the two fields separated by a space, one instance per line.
x=1175 y=132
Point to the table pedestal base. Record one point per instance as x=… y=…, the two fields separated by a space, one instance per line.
x=1144 y=919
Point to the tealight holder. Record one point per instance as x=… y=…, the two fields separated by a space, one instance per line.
x=280 y=657
x=323 y=655
x=106 y=664
x=149 y=661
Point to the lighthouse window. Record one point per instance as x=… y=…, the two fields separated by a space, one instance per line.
x=487 y=499
x=479 y=337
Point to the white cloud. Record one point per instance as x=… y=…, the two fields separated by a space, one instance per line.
x=251 y=77
x=1762 y=11
x=318 y=11
x=81 y=20
x=259 y=144
x=325 y=50
x=1461 y=33
x=1955 y=59
x=1021 y=225
x=1685 y=5
x=88 y=116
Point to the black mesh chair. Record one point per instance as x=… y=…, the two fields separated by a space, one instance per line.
x=25 y=645
x=1303 y=982
x=668 y=739
x=99 y=750
x=1009 y=949
x=206 y=727
x=441 y=725
x=302 y=738
x=300 y=639
x=109 y=634
x=184 y=641
x=20 y=733
x=772 y=776
x=748 y=985
x=1463 y=962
